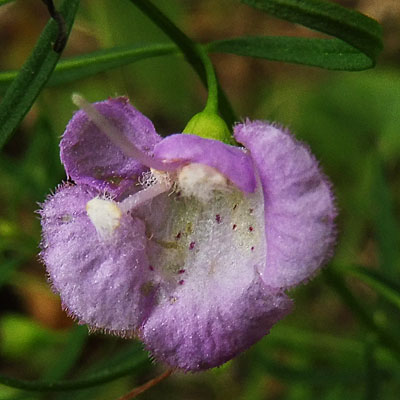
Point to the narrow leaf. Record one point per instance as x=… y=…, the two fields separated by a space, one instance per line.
x=358 y=30
x=33 y=75
x=324 y=53
x=138 y=357
x=69 y=355
x=372 y=373
x=376 y=280
x=321 y=376
x=386 y=338
x=86 y=65
x=386 y=227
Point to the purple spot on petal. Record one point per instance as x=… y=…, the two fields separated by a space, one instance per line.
x=218 y=218
x=151 y=268
x=252 y=248
x=251 y=229
x=181 y=271
x=191 y=245
x=181 y=282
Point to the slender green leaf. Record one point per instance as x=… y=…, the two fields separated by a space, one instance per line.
x=361 y=32
x=70 y=354
x=340 y=56
x=334 y=348
x=33 y=75
x=138 y=357
x=372 y=373
x=376 y=280
x=361 y=312
x=83 y=66
x=324 y=53
x=103 y=60
x=188 y=48
x=325 y=376
x=386 y=227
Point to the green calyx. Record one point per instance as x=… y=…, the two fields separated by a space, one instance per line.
x=209 y=125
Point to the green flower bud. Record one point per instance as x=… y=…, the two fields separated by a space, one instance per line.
x=209 y=125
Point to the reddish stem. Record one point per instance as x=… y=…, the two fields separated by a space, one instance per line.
x=140 y=389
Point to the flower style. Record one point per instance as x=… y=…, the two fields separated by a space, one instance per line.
x=186 y=242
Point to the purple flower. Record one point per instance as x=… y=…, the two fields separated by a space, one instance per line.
x=185 y=242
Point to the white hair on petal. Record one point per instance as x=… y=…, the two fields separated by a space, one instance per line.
x=200 y=181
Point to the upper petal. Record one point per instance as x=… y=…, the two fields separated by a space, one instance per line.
x=88 y=155
x=299 y=205
x=231 y=161
x=104 y=283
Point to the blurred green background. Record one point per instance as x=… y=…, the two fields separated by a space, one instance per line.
x=341 y=341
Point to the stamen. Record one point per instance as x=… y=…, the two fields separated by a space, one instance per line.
x=117 y=137
x=105 y=216
x=144 y=195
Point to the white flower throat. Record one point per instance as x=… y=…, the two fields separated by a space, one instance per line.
x=193 y=180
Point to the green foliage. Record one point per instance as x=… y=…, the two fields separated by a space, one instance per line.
x=360 y=31
x=33 y=75
x=80 y=67
x=342 y=340
x=106 y=374
x=324 y=53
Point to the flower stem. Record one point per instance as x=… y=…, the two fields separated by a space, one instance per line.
x=140 y=389
x=212 y=83
x=188 y=48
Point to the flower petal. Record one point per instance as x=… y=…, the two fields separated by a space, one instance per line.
x=231 y=161
x=104 y=283
x=88 y=155
x=211 y=302
x=299 y=205
x=208 y=325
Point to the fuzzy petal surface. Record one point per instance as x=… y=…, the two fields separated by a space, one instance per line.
x=212 y=303
x=299 y=205
x=103 y=283
x=204 y=330
x=88 y=155
x=231 y=161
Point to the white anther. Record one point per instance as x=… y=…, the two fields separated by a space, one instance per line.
x=105 y=215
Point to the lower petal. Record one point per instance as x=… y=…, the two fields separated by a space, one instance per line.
x=211 y=303
x=206 y=328
x=103 y=283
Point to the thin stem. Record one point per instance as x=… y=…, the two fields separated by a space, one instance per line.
x=62 y=37
x=189 y=49
x=140 y=389
x=212 y=83
x=97 y=378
